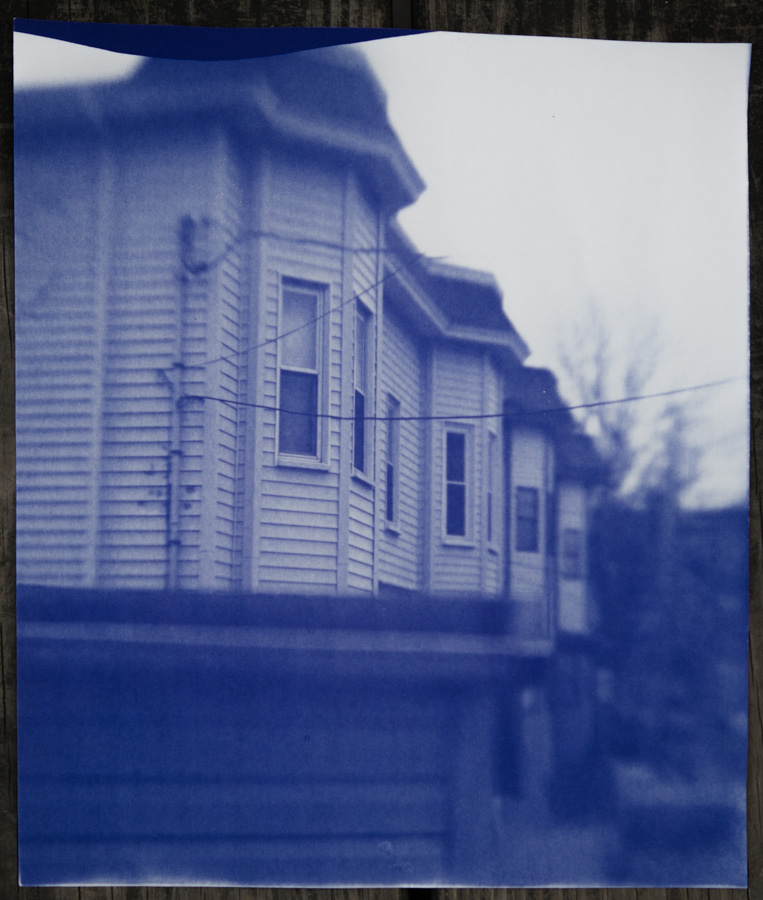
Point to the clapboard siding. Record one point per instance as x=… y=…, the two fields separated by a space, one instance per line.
x=57 y=287
x=307 y=197
x=364 y=245
x=224 y=422
x=141 y=324
x=403 y=359
x=528 y=469
x=156 y=317
x=303 y=222
x=362 y=229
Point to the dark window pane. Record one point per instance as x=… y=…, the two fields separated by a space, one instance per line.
x=527 y=502
x=298 y=426
x=360 y=348
x=572 y=553
x=527 y=536
x=527 y=520
x=360 y=432
x=390 y=492
x=551 y=513
x=455 y=457
x=456 y=509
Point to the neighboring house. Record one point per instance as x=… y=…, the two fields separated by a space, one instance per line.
x=235 y=372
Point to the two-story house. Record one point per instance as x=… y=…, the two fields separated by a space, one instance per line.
x=235 y=371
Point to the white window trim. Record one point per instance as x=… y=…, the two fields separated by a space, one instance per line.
x=581 y=570
x=540 y=550
x=320 y=461
x=492 y=489
x=455 y=540
x=393 y=525
x=364 y=475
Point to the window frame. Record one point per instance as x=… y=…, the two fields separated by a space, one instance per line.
x=572 y=566
x=533 y=546
x=392 y=523
x=467 y=538
x=320 y=291
x=362 y=314
x=492 y=486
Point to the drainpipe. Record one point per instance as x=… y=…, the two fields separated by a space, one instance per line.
x=172 y=499
x=188 y=238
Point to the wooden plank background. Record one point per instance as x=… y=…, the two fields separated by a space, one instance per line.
x=662 y=20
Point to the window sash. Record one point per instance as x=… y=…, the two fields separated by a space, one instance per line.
x=492 y=442
x=359 y=445
x=393 y=453
x=299 y=363
x=298 y=421
x=299 y=344
x=572 y=553
x=456 y=524
x=360 y=439
x=527 y=520
x=361 y=348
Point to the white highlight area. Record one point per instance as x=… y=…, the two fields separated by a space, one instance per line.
x=40 y=62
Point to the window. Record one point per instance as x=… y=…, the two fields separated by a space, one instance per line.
x=551 y=524
x=393 y=454
x=526 y=518
x=492 y=480
x=572 y=553
x=362 y=320
x=455 y=483
x=298 y=377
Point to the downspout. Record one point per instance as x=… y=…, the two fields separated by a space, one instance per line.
x=174 y=454
x=174 y=381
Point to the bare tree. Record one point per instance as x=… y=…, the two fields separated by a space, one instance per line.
x=606 y=369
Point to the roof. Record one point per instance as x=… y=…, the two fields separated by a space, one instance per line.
x=453 y=301
x=533 y=398
x=534 y=392
x=327 y=97
x=468 y=296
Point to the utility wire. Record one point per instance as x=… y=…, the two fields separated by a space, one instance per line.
x=473 y=416
x=204 y=266
x=234 y=353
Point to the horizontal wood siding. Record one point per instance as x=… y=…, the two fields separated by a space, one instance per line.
x=457 y=390
x=224 y=375
x=528 y=469
x=573 y=614
x=360 y=562
x=297 y=523
x=57 y=358
x=146 y=288
x=403 y=359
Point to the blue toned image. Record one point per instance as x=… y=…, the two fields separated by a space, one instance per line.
x=323 y=578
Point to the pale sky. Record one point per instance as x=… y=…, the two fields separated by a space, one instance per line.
x=578 y=173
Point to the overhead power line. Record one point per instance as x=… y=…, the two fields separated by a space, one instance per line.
x=472 y=416
x=327 y=312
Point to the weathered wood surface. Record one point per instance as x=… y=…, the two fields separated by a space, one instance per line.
x=676 y=20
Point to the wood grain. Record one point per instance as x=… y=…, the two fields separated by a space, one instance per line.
x=676 y=20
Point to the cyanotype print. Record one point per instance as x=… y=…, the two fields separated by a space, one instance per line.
x=323 y=578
